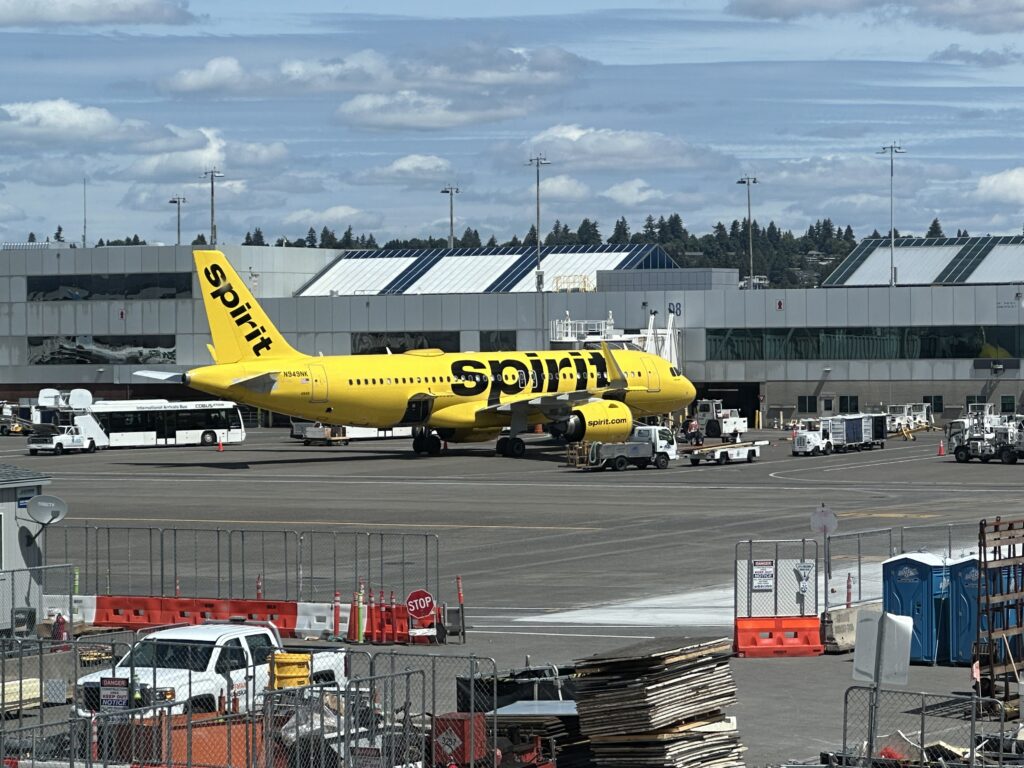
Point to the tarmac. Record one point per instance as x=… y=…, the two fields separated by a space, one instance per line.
x=560 y=563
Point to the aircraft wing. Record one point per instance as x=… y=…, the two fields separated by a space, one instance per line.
x=160 y=375
x=552 y=406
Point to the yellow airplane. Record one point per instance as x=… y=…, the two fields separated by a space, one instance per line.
x=455 y=397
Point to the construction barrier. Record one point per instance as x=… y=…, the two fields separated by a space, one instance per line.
x=779 y=636
x=381 y=622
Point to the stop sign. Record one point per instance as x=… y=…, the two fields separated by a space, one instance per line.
x=420 y=603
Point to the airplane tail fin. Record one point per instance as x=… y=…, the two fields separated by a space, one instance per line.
x=241 y=330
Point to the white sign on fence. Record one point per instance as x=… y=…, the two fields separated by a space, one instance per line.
x=762 y=576
x=113 y=693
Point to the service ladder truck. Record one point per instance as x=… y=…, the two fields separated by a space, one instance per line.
x=646 y=446
x=749 y=451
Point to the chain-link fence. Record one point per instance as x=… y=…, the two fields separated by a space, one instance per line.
x=923 y=729
x=776 y=578
x=242 y=563
x=22 y=607
x=943 y=539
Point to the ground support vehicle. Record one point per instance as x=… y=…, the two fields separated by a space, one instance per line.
x=58 y=440
x=813 y=438
x=717 y=421
x=218 y=666
x=324 y=434
x=749 y=451
x=646 y=446
x=857 y=431
x=981 y=445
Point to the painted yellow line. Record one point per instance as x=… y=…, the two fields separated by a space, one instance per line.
x=329 y=523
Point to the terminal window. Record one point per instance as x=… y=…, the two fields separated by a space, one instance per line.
x=866 y=343
x=849 y=404
x=1007 y=404
x=76 y=350
x=807 y=404
x=935 y=401
x=143 y=285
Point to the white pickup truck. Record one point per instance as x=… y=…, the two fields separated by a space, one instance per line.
x=646 y=446
x=57 y=440
x=219 y=666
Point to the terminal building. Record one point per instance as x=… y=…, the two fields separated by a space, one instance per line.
x=949 y=332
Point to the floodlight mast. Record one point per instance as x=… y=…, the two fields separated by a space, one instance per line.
x=892 y=150
x=213 y=174
x=451 y=191
x=748 y=180
x=538 y=160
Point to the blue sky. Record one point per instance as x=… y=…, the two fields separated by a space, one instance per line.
x=358 y=113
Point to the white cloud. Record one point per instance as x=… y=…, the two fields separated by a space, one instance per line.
x=183 y=163
x=367 y=70
x=607 y=148
x=408 y=169
x=244 y=153
x=336 y=215
x=981 y=16
x=563 y=187
x=223 y=73
x=63 y=120
x=633 y=192
x=984 y=58
x=1006 y=186
x=410 y=109
x=20 y=13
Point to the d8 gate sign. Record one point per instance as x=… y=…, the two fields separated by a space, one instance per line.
x=420 y=603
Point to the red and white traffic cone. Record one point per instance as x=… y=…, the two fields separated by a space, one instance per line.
x=259 y=586
x=942 y=448
x=849 y=590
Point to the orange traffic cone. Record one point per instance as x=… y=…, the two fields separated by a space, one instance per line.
x=942 y=448
x=220 y=447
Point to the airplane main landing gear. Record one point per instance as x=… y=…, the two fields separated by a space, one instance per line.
x=425 y=442
x=513 y=447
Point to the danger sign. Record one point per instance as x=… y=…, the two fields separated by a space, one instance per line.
x=420 y=603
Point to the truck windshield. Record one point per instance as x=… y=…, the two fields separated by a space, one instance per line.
x=182 y=654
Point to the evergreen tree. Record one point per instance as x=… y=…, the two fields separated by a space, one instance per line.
x=31 y=237
x=371 y=242
x=676 y=230
x=531 y=236
x=588 y=233
x=470 y=239
x=248 y=239
x=311 y=238
x=347 y=240
x=100 y=243
x=848 y=235
x=935 y=230
x=58 y=236
x=664 y=235
x=200 y=239
x=875 y=235
x=327 y=238
x=257 y=237
x=515 y=242
x=650 y=230
x=280 y=242
x=620 y=235
x=492 y=242
x=965 y=233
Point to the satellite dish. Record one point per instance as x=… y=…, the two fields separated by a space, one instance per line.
x=49 y=398
x=79 y=399
x=47 y=510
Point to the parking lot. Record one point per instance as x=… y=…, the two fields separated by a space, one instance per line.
x=559 y=563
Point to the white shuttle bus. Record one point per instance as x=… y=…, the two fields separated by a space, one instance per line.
x=144 y=423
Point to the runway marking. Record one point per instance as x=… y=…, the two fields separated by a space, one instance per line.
x=563 y=634
x=877 y=464
x=345 y=523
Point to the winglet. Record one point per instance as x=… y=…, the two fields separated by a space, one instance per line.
x=616 y=378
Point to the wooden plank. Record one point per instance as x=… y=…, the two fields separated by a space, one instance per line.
x=20 y=694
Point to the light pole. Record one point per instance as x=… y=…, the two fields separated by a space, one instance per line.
x=178 y=200
x=451 y=192
x=748 y=180
x=892 y=150
x=213 y=173
x=538 y=161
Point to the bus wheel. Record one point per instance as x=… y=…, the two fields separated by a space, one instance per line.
x=91 y=448
x=208 y=438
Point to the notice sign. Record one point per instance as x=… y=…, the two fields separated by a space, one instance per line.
x=762 y=576
x=113 y=693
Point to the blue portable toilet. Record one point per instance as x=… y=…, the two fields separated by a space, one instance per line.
x=963 y=613
x=917 y=585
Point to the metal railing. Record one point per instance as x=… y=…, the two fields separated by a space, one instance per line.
x=248 y=563
x=22 y=604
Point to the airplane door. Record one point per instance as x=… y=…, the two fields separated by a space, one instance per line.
x=318 y=384
x=653 y=377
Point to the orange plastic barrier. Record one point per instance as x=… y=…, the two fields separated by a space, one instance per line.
x=139 y=612
x=778 y=636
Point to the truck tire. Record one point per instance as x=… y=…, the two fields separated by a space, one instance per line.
x=828 y=449
x=620 y=463
x=815 y=451
x=694 y=462
x=91 y=448
x=208 y=438
x=58 y=449
x=751 y=456
x=713 y=429
x=962 y=455
x=984 y=459
x=5 y=430
x=307 y=442
x=661 y=461
x=32 y=451
x=722 y=458
x=1008 y=456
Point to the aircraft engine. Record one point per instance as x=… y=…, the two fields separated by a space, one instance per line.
x=468 y=435
x=607 y=421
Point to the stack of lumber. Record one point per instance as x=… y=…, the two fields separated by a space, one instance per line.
x=572 y=749
x=660 y=703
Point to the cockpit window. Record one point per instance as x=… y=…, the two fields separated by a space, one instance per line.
x=674 y=371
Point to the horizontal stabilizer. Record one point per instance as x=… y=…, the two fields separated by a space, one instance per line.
x=263 y=383
x=161 y=375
